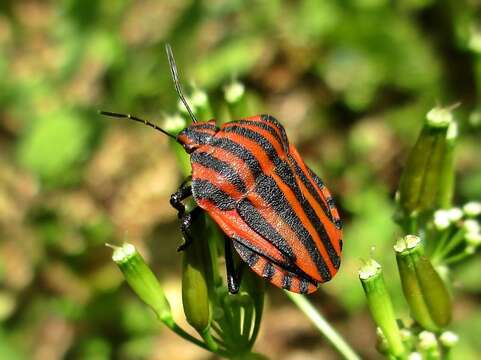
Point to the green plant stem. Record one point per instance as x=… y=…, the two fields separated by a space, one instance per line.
x=324 y=327
x=439 y=246
x=209 y=341
x=457 y=238
x=456 y=258
x=172 y=325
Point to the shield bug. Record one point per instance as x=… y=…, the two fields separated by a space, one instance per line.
x=276 y=213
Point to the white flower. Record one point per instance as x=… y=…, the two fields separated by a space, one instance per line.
x=455 y=214
x=448 y=338
x=473 y=239
x=472 y=208
x=472 y=226
x=427 y=340
x=439 y=117
x=442 y=219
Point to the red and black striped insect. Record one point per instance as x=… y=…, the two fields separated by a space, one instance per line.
x=272 y=208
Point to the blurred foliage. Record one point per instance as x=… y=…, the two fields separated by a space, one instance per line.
x=351 y=81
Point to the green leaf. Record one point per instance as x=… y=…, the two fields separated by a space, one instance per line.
x=54 y=147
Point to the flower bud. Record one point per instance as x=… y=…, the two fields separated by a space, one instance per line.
x=448 y=339
x=380 y=305
x=455 y=214
x=472 y=208
x=382 y=345
x=142 y=280
x=201 y=104
x=472 y=226
x=427 y=340
x=428 y=178
x=175 y=124
x=473 y=239
x=441 y=219
x=415 y=356
x=196 y=282
x=235 y=96
x=408 y=338
x=423 y=288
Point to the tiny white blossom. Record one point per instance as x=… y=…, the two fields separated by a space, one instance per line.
x=473 y=239
x=455 y=214
x=427 y=340
x=472 y=226
x=441 y=219
x=439 y=117
x=449 y=338
x=472 y=208
x=415 y=356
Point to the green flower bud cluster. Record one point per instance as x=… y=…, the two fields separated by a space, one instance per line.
x=428 y=299
x=456 y=233
x=447 y=234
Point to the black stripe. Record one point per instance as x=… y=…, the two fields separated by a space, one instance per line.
x=267 y=188
x=258 y=138
x=204 y=125
x=204 y=190
x=303 y=286
x=263 y=126
x=284 y=171
x=241 y=152
x=287 y=177
x=277 y=124
x=335 y=219
x=310 y=188
x=330 y=202
x=224 y=169
x=316 y=178
x=249 y=256
x=240 y=244
x=252 y=259
x=197 y=137
x=286 y=282
x=256 y=222
x=269 y=271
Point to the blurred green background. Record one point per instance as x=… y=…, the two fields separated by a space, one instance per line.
x=350 y=80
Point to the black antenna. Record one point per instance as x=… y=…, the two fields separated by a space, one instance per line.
x=135 y=118
x=175 y=77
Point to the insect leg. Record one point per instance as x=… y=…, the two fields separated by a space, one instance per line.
x=176 y=198
x=233 y=274
x=185 y=227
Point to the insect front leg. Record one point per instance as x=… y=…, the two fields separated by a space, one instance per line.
x=176 y=199
x=233 y=275
x=185 y=228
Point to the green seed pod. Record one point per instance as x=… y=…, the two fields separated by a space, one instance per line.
x=142 y=280
x=380 y=305
x=446 y=180
x=423 y=288
x=196 y=280
x=428 y=177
